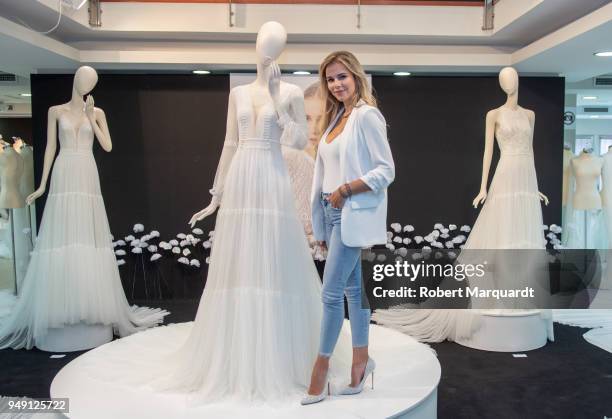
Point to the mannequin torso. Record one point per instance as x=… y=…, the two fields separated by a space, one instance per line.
x=11 y=170
x=587 y=171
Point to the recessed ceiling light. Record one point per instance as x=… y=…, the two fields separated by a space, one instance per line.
x=301 y=73
x=402 y=73
x=589 y=97
x=594 y=116
x=201 y=72
x=604 y=54
x=25 y=94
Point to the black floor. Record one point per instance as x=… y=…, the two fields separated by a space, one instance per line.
x=568 y=378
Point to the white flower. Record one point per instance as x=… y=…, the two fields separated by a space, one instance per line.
x=165 y=245
x=146 y=238
x=450 y=245
x=402 y=251
x=120 y=262
x=389 y=236
x=452 y=227
x=206 y=244
x=137 y=250
x=184 y=243
x=143 y=244
x=208 y=260
x=551 y=236
x=152 y=248
x=184 y=261
x=120 y=243
x=138 y=228
x=195 y=241
x=556 y=229
x=429 y=239
x=558 y=247
x=426 y=248
x=176 y=250
x=418 y=239
x=397 y=227
x=407 y=240
x=154 y=233
x=399 y=259
x=381 y=258
x=452 y=255
x=444 y=236
x=397 y=239
x=444 y=231
x=438 y=245
x=189 y=237
x=135 y=243
x=197 y=231
x=155 y=257
x=390 y=246
x=181 y=236
x=114 y=245
x=129 y=238
x=459 y=239
x=408 y=229
x=195 y=262
x=438 y=226
x=186 y=252
x=466 y=229
x=416 y=256
x=369 y=256
x=120 y=252
x=173 y=242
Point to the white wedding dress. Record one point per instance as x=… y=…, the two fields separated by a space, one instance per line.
x=256 y=333
x=73 y=276
x=511 y=218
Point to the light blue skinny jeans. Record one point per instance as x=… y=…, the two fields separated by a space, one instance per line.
x=342 y=276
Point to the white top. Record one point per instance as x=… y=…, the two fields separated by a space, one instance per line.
x=330 y=155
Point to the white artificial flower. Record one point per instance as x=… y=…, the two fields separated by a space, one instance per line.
x=408 y=229
x=137 y=250
x=397 y=227
x=407 y=240
x=435 y=234
x=154 y=233
x=466 y=229
x=444 y=231
x=195 y=262
x=556 y=229
x=120 y=243
x=208 y=260
x=428 y=239
x=186 y=252
x=399 y=259
x=418 y=239
x=181 y=236
x=426 y=248
x=120 y=252
x=389 y=236
x=197 y=231
x=189 y=237
x=163 y=244
x=184 y=243
x=143 y=244
x=381 y=258
x=155 y=257
x=551 y=235
x=452 y=255
x=402 y=251
x=438 y=245
x=135 y=243
x=444 y=236
x=438 y=226
x=114 y=244
x=206 y=244
x=120 y=262
x=152 y=248
x=397 y=239
x=417 y=256
x=452 y=227
x=390 y=246
x=129 y=238
x=138 y=228
x=459 y=239
x=184 y=261
x=146 y=238
x=369 y=256
x=174 y=242
x=176 y=250
x=450 y=245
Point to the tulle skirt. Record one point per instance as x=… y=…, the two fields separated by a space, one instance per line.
x=73 y=276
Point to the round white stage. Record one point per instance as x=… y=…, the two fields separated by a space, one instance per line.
x=406 y=380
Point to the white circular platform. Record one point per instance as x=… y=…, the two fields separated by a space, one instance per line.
x=406 y=381
x=509 y=331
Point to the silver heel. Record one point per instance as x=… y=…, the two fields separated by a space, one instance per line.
x=369 y=369
x=316 y=398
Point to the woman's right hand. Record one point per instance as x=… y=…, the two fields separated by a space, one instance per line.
x=200 y=215
x=480 y=199
x=34 y=195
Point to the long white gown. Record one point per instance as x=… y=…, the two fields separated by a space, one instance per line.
x=73 y=276
x=256 y=333
x=511 y=218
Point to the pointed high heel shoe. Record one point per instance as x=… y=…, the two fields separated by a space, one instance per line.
x=369 y=369
x=316 y=398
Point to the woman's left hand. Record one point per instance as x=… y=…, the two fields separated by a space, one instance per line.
x=336 y=199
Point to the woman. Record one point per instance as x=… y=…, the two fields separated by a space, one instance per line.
x=353 y=169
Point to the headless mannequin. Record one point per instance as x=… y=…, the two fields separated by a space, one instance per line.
x=11 y=171
x=586 y=168
x=271 y=40
x=509 y=82
x=85 y=79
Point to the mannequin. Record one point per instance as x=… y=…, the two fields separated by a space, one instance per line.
x=606 y=192
x=72 y=296
x=11 y=171
x=586 y=169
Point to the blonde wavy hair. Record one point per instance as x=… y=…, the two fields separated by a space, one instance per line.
x=362 y=88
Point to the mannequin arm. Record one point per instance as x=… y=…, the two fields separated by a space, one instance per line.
x=49 y=153
x=488 y=156
x=229 y=149
x=293 y=121
x=97 y=118
x=531 y=117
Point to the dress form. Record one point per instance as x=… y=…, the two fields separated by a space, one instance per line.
x=586 y=169
x=11 y=170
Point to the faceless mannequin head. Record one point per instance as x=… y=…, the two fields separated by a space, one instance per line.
x=85 y=79
x=508 y=80
x=271 y=40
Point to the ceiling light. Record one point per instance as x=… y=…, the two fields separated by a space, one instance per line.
x=594 y=116
x=402 y=73
x=604 y=54
x=589 y=97
x=201 y=72
x=301 y=73
x=25 y=94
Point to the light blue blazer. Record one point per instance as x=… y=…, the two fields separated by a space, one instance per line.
x=364 y=154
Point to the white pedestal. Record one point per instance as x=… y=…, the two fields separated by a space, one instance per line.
x=508 y=331
x=75 y=337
